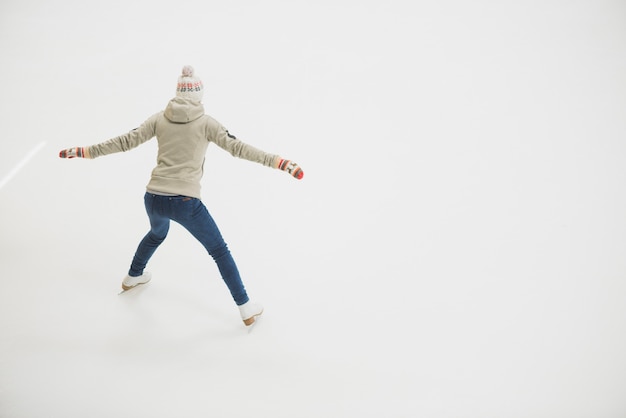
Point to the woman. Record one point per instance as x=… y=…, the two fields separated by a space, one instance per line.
x=183 y=133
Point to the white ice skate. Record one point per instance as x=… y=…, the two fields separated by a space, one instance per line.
x=130 y=282
x=249 y=312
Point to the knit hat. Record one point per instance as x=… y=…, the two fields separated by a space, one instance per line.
x=189 y=86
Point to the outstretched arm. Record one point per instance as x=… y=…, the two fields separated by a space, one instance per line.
x=240 y=149
x=120 y=143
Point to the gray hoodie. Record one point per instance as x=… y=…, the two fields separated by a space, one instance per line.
x=183 y=132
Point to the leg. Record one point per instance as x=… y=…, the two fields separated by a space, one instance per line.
x=159 y=226
x=194 y=216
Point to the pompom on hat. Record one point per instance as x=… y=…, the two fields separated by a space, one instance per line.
x=189 y=86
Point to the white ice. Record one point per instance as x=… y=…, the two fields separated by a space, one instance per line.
x=455 y=249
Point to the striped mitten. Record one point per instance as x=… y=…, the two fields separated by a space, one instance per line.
x=291 y=167
x=79 y=152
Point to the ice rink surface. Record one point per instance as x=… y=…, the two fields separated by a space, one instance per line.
x=455 y=249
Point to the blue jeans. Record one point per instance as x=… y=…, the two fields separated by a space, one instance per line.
x=193 y=216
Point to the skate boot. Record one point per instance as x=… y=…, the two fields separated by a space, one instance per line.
x=130 y=281
x=249 y=311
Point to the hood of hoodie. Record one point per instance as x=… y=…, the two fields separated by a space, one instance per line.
x=180 y=110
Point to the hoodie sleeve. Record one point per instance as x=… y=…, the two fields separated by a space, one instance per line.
x=126 y=142
x=239 y=149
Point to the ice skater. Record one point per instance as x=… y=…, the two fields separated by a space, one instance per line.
x=183 y=132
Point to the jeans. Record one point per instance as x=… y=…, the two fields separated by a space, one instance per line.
x=193 y=216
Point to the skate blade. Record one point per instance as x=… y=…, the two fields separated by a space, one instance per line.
x=250 y=323
x=128 y=289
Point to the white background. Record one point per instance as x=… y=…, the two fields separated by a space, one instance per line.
x=455 y=249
